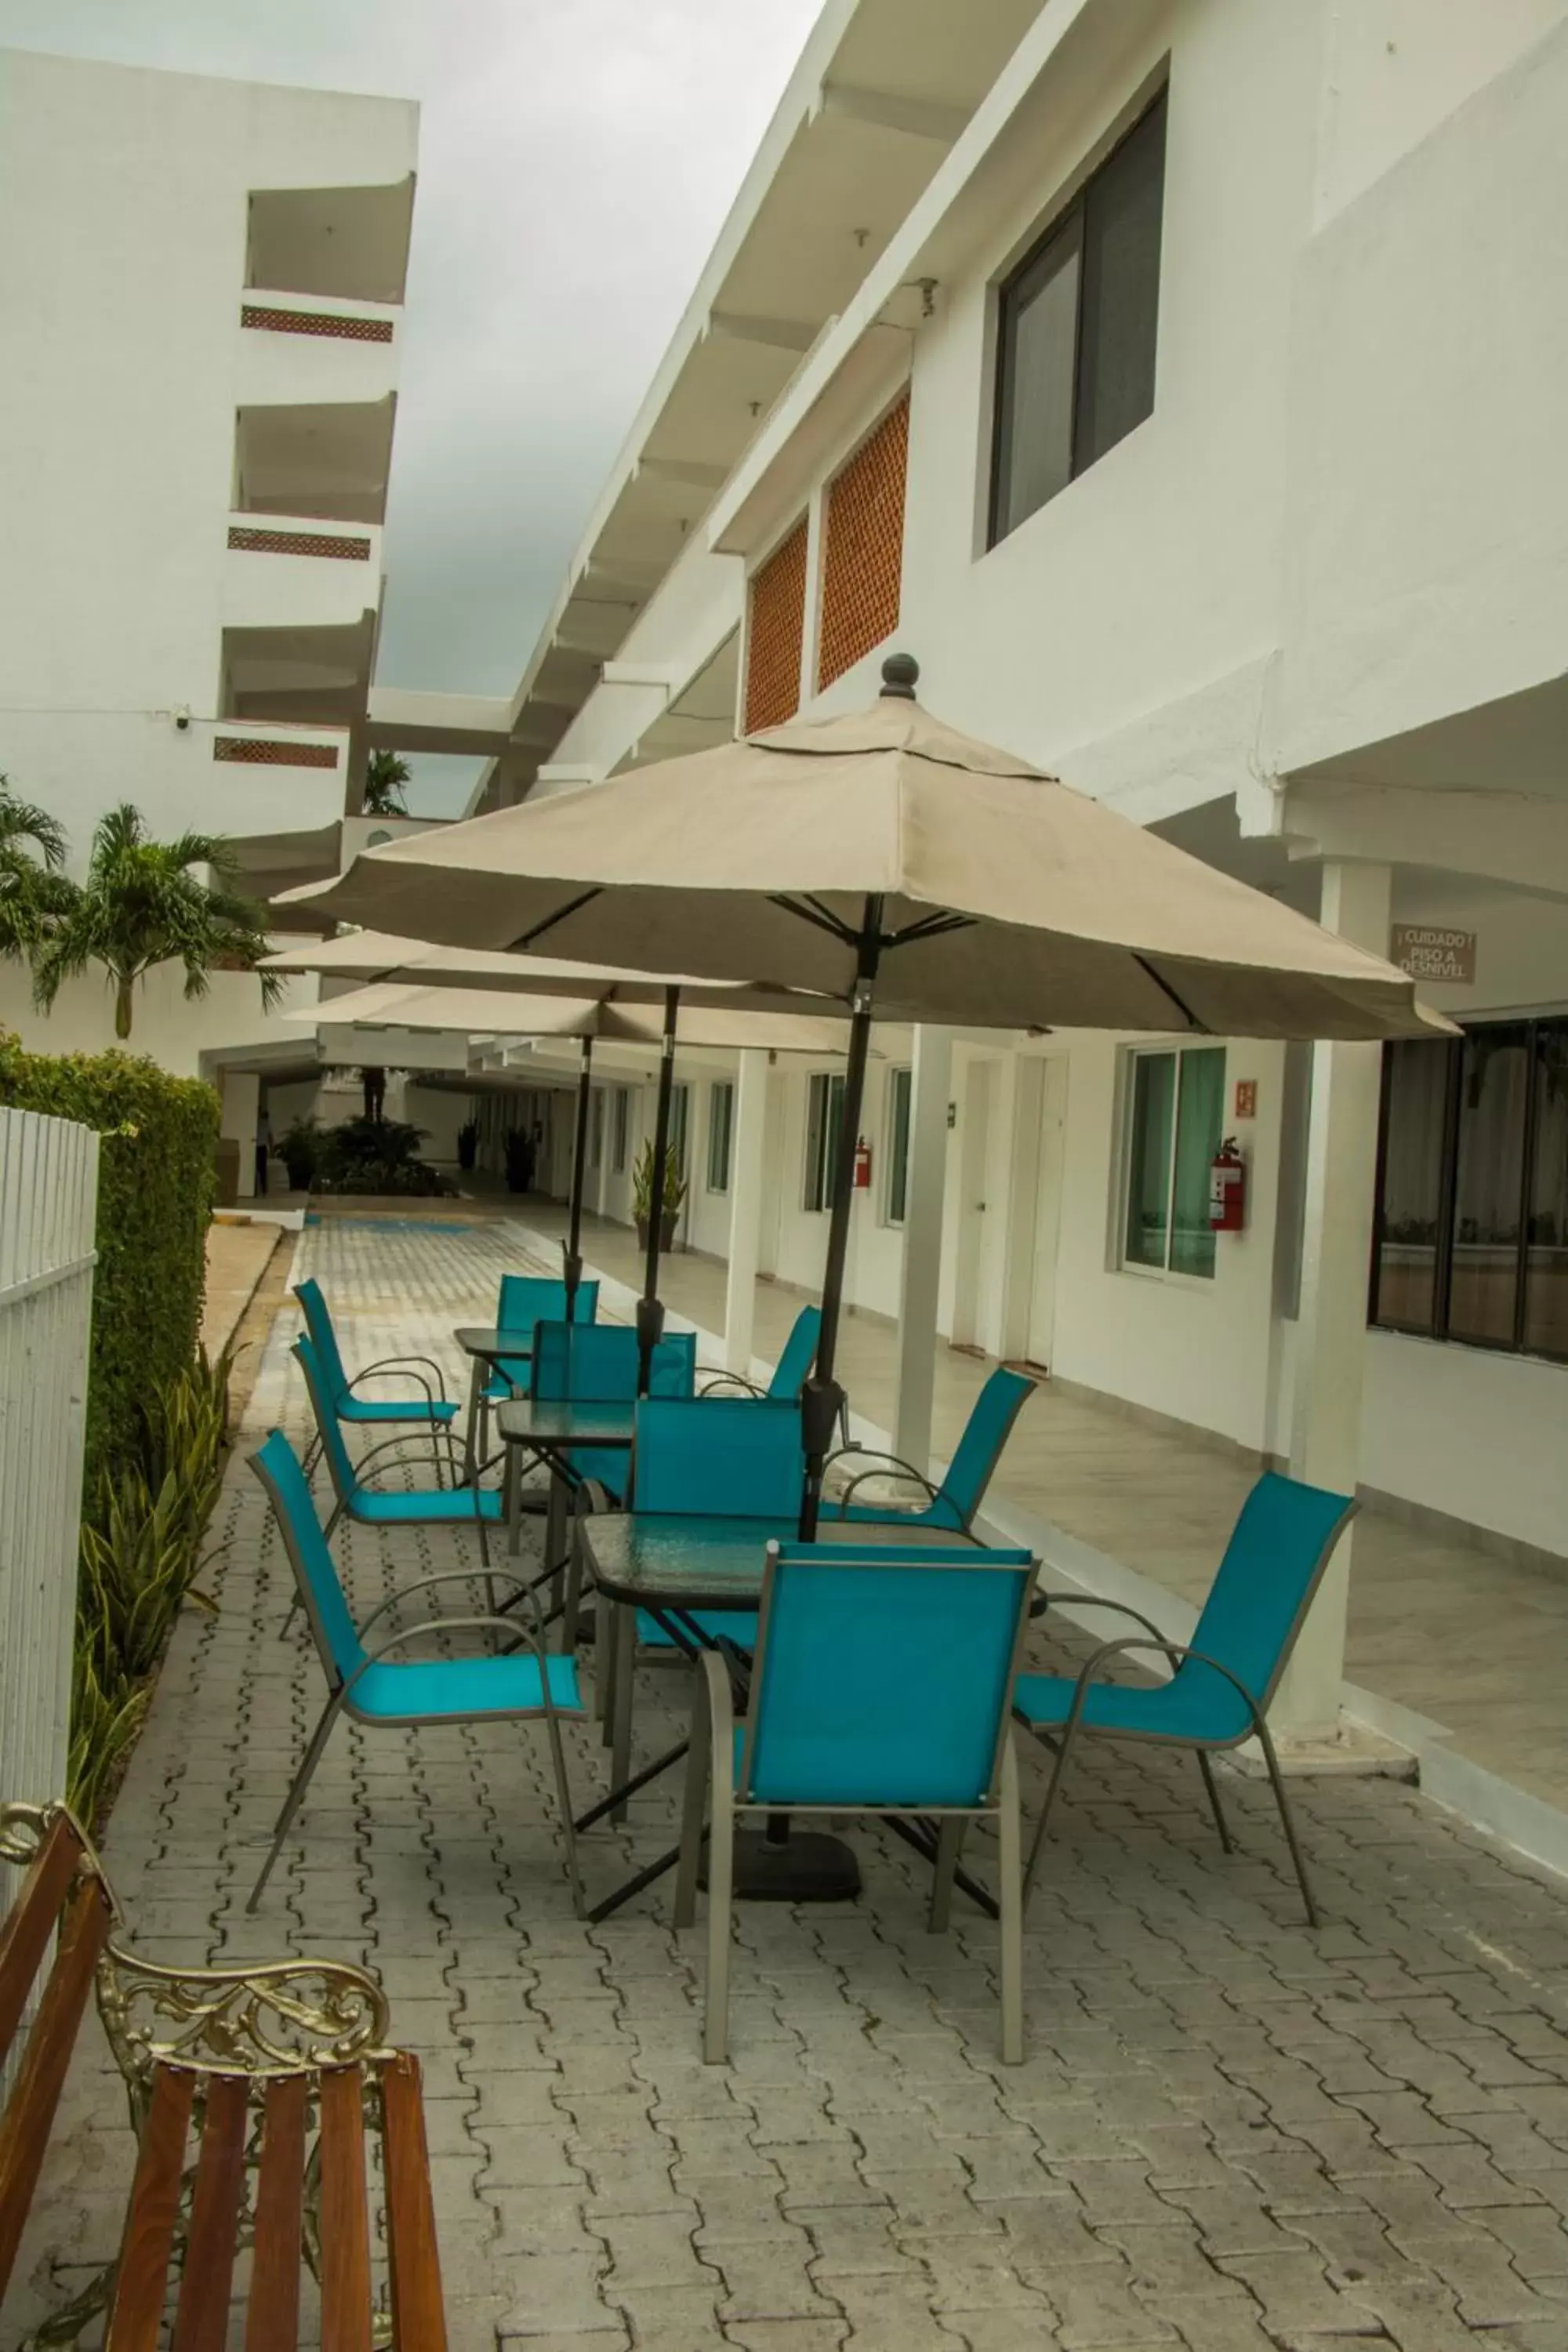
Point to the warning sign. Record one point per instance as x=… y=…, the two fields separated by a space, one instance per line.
x=1428 y=951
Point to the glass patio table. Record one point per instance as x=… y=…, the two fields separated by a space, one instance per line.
x=675 y=1568
x=487 y=1349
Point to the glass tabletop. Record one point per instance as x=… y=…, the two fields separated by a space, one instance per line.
x=490 y=1345
x=665 y=1559
x=561 y=1421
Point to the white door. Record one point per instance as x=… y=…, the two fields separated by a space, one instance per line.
x=1048 y=1208
x=973 y=1161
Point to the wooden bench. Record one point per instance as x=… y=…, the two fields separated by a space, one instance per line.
x=279 y=2074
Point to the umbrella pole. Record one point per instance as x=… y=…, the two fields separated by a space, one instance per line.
x=650 y=1312
x=822 y=1398
x=572 y=1249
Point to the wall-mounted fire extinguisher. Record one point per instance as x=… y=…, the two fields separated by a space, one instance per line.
x=1227 y=1188
x=862 y=1166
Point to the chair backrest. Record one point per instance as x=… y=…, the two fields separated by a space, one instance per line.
x=339 y=1466
x=599 y=1362
x=526 y=1300
x=1273 y=1564
x=884 y=1676
x=323 y=1338
x=799 y=1354
x=320 y=1591
x=985 y=1433
x=720 y=1458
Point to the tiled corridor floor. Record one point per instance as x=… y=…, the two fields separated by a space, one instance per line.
x=1229 y=2134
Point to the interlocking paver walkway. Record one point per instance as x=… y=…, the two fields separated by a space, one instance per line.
x=1230 y=2132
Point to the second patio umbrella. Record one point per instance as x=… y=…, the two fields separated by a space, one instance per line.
x=885 y=859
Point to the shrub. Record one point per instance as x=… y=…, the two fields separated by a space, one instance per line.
x=374 y=1155
x=156 y=1176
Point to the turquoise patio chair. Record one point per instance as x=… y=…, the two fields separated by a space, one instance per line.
x=432 y=1408
x=600 y=1363
x=714 y=1459
x=1225 y=1677
x=955 y=1503
x=523 y=1302
x=385 y=1694
x=424 y=1507
x=882 y=1683
x=789 y=1374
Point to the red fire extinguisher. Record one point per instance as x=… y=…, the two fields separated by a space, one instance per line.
x=862 y=1166
x=1227 y=1188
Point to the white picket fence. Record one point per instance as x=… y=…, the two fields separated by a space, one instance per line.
x=48 y=1199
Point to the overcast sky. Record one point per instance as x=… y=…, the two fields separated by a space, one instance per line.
x=576 y=159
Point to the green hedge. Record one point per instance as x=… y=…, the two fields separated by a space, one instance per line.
x=155 y=1183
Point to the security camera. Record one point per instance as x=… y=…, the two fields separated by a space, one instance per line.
x=182 y=717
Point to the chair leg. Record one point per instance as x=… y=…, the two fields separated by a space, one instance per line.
x=1043 y=1825
x=695 y=1812
x=1266 y=1741
x=1215 y=1807
x=312 y=1757
x=563 y=1800
x=721 y=1892
x=949 y=1843
x=625 y=1641
x=572 y=1601
x=1010 y=1897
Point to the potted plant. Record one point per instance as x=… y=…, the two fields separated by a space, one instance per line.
x=468 y=1143
x=518 y=1148
x=642 y=1195
x=300 y=1147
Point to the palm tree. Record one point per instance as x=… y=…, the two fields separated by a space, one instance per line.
x=388 y=776
x=140 y=905
x=32 y=888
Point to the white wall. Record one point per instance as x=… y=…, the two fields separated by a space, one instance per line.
x=164 y=1024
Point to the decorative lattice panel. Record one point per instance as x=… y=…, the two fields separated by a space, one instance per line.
x=863 y=551
x=773 y=638
x=268 y=751
x=299 y=543
x=315 y=323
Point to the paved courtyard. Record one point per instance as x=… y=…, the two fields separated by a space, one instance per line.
x=1230 y=2132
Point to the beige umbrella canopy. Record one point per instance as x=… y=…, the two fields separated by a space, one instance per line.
x=882 y=859
x=499 y=1012
x=1004 y=898
x=388 y=956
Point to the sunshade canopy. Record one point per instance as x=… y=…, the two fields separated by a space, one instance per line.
x=388 y=956
x=498 y=1012
x=1006 y=900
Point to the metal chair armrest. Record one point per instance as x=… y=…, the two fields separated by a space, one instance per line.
x=384 y=1364
x=1044 y=1601
x=507 y=1625
x=879 y=1467
x=445 y=1576
x=731 y=1379
x=1178 y=1651
x=428 y=1452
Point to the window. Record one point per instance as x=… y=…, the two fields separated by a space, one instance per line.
x=900 y=1090
x=823 y=1110
x=620 y=1120
x=720 y=1120
x=1472 y=1236
x=1175 y=1108
x=1074 y=352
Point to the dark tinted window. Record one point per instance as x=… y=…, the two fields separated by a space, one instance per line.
x=1078 y=326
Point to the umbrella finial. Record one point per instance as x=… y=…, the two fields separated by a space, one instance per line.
x=900 y=672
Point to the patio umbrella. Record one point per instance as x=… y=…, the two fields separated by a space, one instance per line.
x=883 y=859
x=712 y=1021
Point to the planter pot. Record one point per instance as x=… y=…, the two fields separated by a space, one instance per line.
x=666 y=1230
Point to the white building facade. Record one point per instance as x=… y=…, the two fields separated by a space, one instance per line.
x=203 y=281
x=1179 y=383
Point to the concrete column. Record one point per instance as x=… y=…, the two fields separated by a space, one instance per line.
x=919 y=1277
x=1330 y=1329
x=241 y=1105
x=746 y=1163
